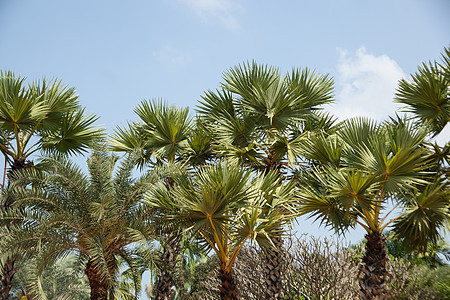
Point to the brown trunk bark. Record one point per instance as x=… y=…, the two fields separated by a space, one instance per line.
x=99 y=288
x=8 y=272
x=228 y=289
x=273 y=271
x=167 y=267
x=372 y=274
x=169 y=258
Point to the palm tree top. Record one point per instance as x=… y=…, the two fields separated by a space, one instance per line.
x=160 y=134
x=257 y=117
x=357 y=170
x=271 y=101
x=98 y=216
x=44 y=115
x=427 y=94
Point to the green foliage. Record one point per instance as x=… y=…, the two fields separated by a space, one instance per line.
x=43 y=116
x=164 y=133
x=223 y=208
x=357 y=170
x=62 y=211
x=436 y=254
x=62 y=280
x=258 y=115
x=427 y=94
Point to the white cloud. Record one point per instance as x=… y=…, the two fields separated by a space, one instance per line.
x=366 y=85
x=443 y=137
x=221 y=11
x=172 y=57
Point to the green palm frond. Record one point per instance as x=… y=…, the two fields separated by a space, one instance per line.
x=275 y=193
x=259 y=117
x=310 y=88
x=274 y=101
x=161 y=134
x=424 y=215
x=43 y=116
x=427 y=94
x=127 y=139
x=286 y=146
x=74 y=135
x=57 y=98
x=319 y=205
x=223 y=207
x=244 y=78
x=19 y=108
x=317 y=121
x=225 y=121
x=167 y=128
x=198 y=150
x=357 y=171
x=63 y=211
x=130 y=140
x=357 y=131
x=318 y=147
x=354 y=188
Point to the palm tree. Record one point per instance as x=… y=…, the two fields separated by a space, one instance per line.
x=259 y=118
x=427 y=95
x=45 y=116
x=101 y=217
x=62 y=280
x=357 y=171
x=164 y=135
x=223 y=209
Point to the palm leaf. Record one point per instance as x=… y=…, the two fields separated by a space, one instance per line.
x=426 y=96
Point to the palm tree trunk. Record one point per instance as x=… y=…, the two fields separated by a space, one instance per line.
x=167 y=266
x=99 y=288
x=8 y=272
x=228 y=289
x=273 y=271
x=373 y=268
x=7 y=269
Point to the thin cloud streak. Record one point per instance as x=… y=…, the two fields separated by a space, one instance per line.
x=210 y=11
x=172 y=57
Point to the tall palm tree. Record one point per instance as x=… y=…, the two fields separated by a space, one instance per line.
x=100 y=217
x=427 y=94
x=223 y=208
x=259 y=118
x=356 y=171
x=164 y=135
x=45 y=116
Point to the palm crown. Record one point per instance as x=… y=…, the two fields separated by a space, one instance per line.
x=364 y=165
x=164 y=133
x=258 y=114
x=44 y=116
x=258 y=118
x=98 y=217
x=427 y=95
x=223 y=208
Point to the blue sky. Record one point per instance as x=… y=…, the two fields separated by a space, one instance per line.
x=117 y=53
